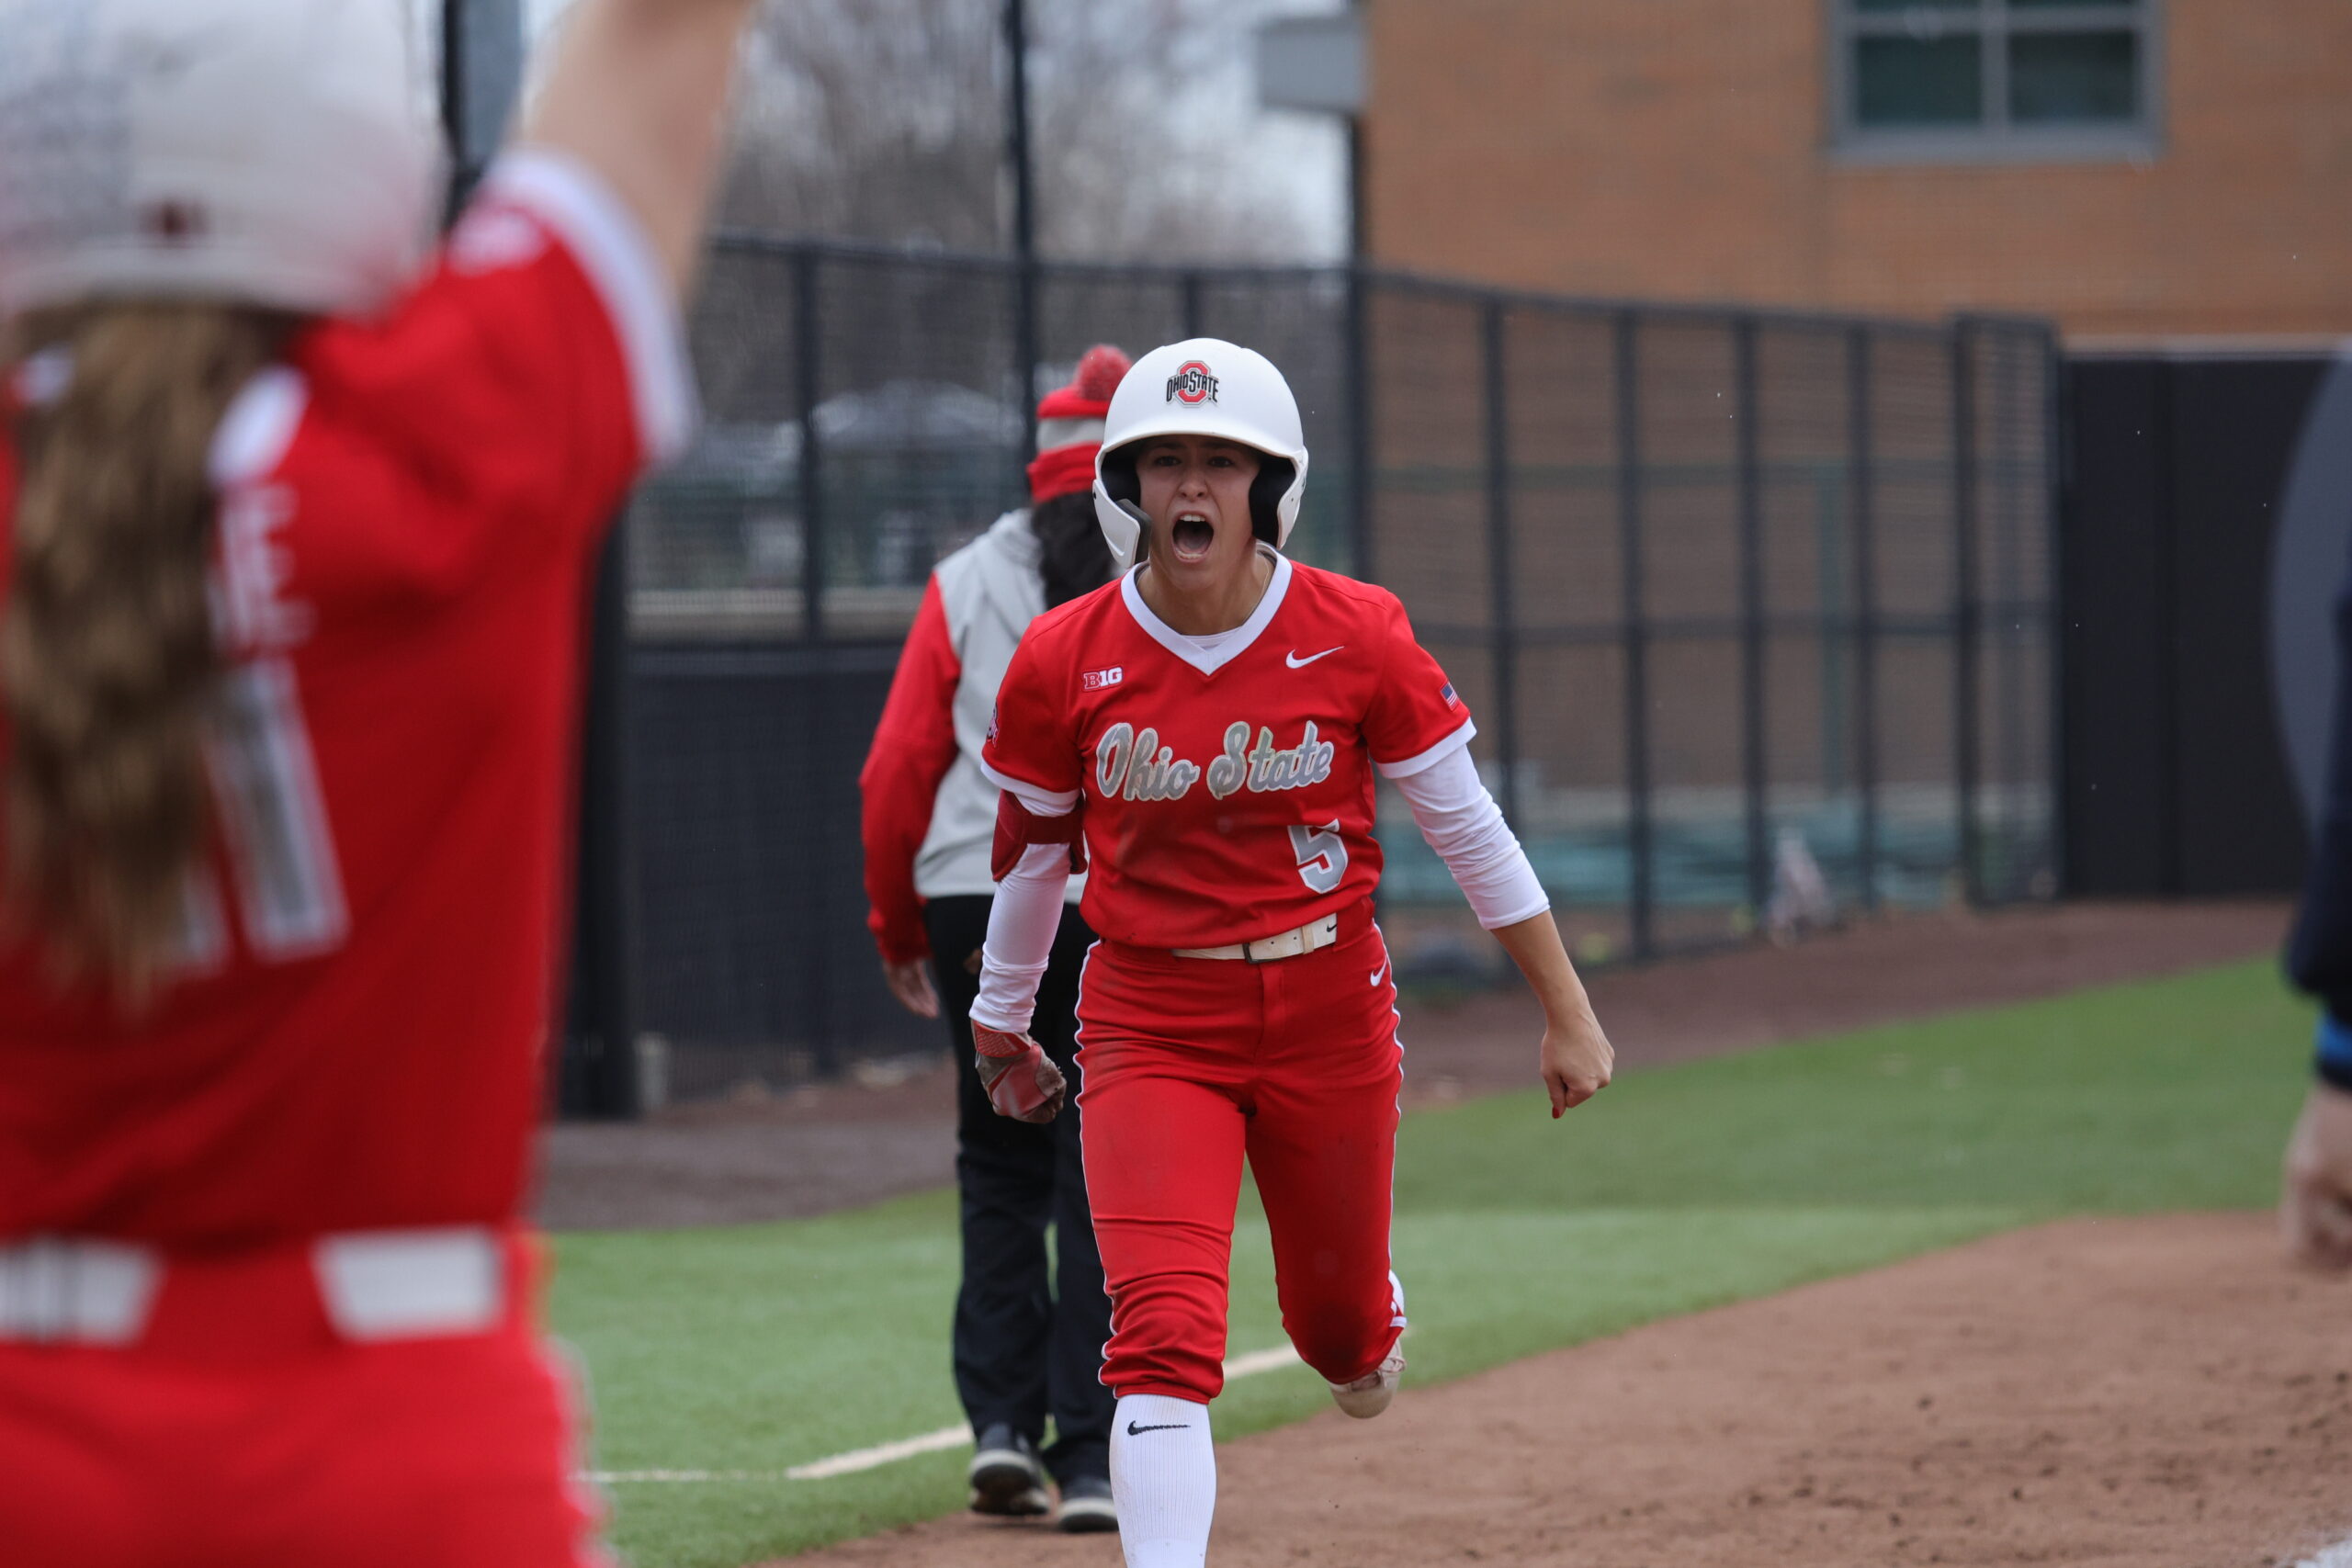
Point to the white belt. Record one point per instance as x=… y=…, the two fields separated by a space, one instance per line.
x=1282 y=945
x=374 y=1284
x=95 y=1291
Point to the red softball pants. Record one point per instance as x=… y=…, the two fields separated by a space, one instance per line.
x=1190 y=1065
x=241 y=1432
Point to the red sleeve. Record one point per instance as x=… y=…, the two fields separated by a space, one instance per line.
x=1028 y=741
x=914 y=745
x=524 y=384
x=1414 y=715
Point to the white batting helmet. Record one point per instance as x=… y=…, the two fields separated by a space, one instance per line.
x=279 y=152
x=1203 y=386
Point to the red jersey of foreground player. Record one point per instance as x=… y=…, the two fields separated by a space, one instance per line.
x=407 y=513
x=1226 y=804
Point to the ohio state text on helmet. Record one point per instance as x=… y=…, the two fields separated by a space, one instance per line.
x=1191 y=384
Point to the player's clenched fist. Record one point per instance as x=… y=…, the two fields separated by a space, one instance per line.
x=1022 y=1081
x=1577 y=1063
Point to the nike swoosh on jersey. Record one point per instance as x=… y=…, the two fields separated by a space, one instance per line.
x=1378 y=973
x=1295 y=662
x=1135 y=1431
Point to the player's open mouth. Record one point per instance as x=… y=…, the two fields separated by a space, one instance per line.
x=1190 y=537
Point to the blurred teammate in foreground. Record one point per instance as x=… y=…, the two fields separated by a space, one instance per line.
x=2316 y=1210
x=1021 y=1349
x=296 y=519
x=1204 y=735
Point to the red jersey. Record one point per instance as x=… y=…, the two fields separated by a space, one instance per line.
x=409 y=510
x=1226 y=795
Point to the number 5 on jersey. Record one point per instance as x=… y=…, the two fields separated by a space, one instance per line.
x=1322 y=855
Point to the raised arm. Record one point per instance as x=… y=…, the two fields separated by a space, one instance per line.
x=638 y=94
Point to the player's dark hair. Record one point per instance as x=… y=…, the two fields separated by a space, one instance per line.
x=107 y=662
x=1076 y=557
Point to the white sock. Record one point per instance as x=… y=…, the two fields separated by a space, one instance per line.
x=1163 y=1478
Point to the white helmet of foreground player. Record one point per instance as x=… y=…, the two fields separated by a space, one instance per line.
x=274 y=151
x=1203 y=386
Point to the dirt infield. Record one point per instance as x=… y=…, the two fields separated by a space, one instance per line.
x=830 y=1147
x=2145 y=1392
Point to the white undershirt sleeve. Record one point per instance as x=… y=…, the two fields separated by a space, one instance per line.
x=1022 y=925
x=1466 y=829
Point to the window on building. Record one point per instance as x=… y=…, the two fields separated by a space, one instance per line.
x=1996 y=78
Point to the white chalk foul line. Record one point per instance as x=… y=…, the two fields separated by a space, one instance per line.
x=874 y=1457
x=2336 y=1556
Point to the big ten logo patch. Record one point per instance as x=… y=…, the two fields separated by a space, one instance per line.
x=1101 y=680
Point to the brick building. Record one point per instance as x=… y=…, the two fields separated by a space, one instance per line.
x=2130 y=168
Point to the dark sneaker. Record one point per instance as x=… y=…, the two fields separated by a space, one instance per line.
x=1007 y=1481
x=1087 y=1508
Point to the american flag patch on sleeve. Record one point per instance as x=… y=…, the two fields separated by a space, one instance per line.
x=1446 y=692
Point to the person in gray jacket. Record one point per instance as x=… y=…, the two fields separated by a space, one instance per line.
x=1021 y=1353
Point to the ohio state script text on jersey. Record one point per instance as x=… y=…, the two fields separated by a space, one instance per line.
x=1225 y=795
x=1134 y=766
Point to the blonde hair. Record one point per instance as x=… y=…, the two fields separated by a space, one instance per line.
x=107 y=662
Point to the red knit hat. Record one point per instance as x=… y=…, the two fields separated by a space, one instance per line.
x=1070 y=424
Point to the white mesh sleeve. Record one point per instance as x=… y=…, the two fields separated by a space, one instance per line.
x=1466 y=829
x=1021 y=923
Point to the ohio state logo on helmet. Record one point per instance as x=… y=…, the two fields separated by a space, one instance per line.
x=1191 y=384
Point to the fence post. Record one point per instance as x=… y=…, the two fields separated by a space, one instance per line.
x=482 y=72
x=1025 y=222
x=809 y=379
x=2002 y=627
x=1861 y=480
x=2057 y=481
x=1748 y=428
x=808 y=388
x=1964 y=606
x=603 y=952
x=1635 y=634
x=1357 y=391
x=1503 y=627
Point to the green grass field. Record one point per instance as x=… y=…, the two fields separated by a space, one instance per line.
x=760 y=1348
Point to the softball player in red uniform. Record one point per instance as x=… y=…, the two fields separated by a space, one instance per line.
x=1201 y=737
x=295 y=525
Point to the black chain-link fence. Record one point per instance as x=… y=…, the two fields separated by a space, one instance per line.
x=1734 y=594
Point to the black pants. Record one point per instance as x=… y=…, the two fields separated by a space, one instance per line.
x=1020 y=1352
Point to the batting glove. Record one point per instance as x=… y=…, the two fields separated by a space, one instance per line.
x=1022 y=1083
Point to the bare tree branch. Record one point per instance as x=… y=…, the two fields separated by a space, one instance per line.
x=884 y=119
